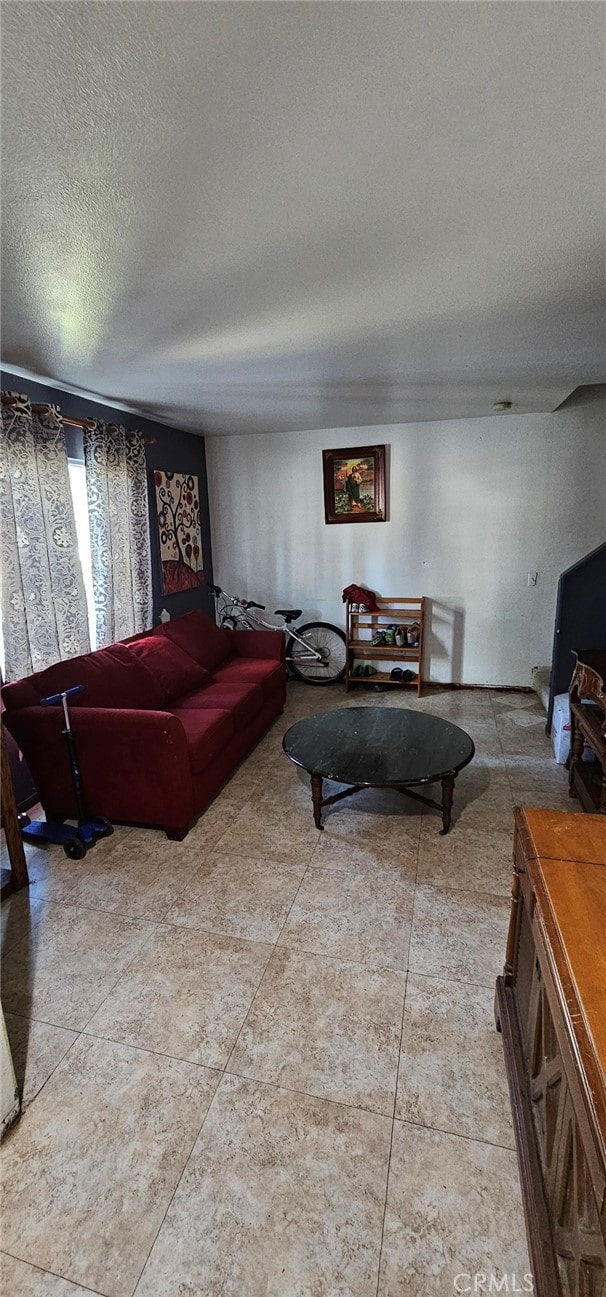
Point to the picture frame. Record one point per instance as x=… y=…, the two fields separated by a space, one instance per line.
x=179 y=530
x=354 y=484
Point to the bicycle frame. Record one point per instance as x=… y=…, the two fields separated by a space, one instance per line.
x=247 y=619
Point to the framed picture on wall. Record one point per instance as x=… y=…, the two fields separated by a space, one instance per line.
x=354 y=484
x=178 y=506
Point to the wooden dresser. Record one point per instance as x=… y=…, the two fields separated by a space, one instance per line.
x=551 y=1009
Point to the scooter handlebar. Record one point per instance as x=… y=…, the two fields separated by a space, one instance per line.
x=56 y=699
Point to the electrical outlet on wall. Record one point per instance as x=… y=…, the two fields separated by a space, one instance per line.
x=532 y=578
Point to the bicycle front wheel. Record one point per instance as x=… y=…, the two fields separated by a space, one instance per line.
x=321 y=658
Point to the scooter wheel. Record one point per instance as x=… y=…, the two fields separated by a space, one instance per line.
x=75 y=849
x=107 y=826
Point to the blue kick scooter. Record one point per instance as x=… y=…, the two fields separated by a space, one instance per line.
x=75 y=840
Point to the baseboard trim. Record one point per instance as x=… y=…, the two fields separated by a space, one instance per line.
x=495 y=689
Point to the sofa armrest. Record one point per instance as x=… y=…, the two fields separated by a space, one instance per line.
x=134 y=764
x=265 y=644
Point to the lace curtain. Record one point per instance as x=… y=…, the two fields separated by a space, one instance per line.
x=116 y=484
x=44 y=613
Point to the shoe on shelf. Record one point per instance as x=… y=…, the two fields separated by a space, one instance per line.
x=378 y=638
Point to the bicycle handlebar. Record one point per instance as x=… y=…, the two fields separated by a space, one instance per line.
x=242 y=603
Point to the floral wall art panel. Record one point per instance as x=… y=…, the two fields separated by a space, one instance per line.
x=178 y=503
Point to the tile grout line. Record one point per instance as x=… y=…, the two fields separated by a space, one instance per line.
x=155 y=1053
x=397 y=1078
x=95 y=1292
x=26 y=1106
x=124 y=970
x=306 y=1094
x=393 y=1126
x=469 y=1139
x=174 y=1192
x=274 y=949
x=513 y=800
x=456 y=1134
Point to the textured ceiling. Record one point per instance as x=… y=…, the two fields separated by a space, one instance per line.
x=252 y=216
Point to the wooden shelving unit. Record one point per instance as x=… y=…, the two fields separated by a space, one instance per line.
x=587 y=780
x=362 y=626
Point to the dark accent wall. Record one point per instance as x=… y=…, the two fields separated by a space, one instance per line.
x=173 y=450
x=580 y=621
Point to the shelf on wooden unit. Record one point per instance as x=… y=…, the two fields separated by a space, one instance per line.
x=396 y=611
x=363 y=649
x=382 y=678
x=587 y=779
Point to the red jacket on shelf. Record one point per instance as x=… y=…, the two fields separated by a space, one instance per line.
x=357 y=594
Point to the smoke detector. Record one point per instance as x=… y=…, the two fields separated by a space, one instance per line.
x=501 y=406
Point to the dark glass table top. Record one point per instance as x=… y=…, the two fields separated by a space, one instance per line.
x=378 y=746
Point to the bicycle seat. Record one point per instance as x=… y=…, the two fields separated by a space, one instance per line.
x=289 y=614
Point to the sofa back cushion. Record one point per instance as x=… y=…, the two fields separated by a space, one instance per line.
x=173 y=670
x=197 y=635
x=112 y=677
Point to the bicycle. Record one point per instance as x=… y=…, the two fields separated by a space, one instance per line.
x=315 y=652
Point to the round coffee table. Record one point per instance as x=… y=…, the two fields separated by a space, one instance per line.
x=379 y=747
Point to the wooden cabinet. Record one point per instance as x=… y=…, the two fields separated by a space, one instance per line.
x=363 y=627
x=551 y=1008
x=587 y=779
x=17 y=877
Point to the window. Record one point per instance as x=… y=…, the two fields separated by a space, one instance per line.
x=77 y=479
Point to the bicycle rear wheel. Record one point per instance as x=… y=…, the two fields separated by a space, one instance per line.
x=324 y=639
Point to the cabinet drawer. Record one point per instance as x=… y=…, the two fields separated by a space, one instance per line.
x=553 y=1057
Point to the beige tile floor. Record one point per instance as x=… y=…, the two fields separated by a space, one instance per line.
x=262 y=1062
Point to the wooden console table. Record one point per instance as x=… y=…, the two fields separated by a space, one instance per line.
x=551 y=1009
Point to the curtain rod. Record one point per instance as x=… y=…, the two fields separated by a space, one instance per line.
x=9 y=399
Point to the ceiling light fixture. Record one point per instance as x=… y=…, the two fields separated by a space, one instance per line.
x=501 y=406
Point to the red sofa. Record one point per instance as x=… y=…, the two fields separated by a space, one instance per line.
x=163 y=720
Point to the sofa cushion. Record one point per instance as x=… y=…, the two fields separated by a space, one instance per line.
x=200 y=637
x=243 y=701
x=208 y=731
x=175 y=671
x=239 y=671
x=112 y=677
x=197 y=635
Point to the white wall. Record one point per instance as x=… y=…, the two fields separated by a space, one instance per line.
x=473 y=506
x=9 y=1095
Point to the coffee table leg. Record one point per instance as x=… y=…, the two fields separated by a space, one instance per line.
x=316 y=792
x=447 y=793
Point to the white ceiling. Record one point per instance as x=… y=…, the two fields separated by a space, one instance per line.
x=247 y=216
